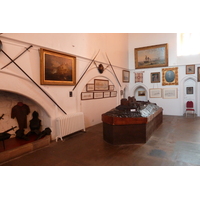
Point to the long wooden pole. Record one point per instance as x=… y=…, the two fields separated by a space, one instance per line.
x=86 y=70
x=32 y=79
x=113 y=70
x=17 y=57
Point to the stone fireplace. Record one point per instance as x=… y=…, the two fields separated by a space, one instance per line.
x=14 y=89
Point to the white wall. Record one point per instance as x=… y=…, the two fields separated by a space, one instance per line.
x=120 y=50
x=84 y=46
x=170 y=106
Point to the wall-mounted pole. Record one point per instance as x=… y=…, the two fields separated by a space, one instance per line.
x=17 y=57
x=113 y=70
x=32 y=80
x=86 y=70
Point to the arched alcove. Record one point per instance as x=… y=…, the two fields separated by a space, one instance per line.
x=140 y=92
x=189 y=93
x=22 y=89
x=94 y=108
x=9 y=100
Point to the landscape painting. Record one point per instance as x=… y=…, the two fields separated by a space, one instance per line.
x=57 y=68
x=151 y=56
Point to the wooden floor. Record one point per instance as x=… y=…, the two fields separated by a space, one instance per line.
x=176 y=142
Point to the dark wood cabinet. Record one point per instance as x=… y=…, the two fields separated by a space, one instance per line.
x=117 y=130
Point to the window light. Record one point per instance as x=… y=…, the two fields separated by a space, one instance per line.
x=188 y=44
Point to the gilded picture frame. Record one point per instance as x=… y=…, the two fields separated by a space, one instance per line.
x=57 y=68
x=151 y=56
x=170 y=76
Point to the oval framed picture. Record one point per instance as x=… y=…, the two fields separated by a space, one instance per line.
x=170 y=76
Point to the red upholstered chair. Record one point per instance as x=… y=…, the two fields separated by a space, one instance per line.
x=189 y=108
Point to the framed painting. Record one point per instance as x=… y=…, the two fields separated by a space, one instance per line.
x=151 y=56
x=170 y=76
x=141 y=93
x=113 y=93
x=57 y=68
x=86 y=95
x=90 y=87
x=106 y=94
x=101 y=84
x=155 y=93
x=170 y=93
x=111 y=87
x=155 y=77
x=190 y=69
x=125 y=76
x=98 y=95
x=189 y=90
x=198 y=74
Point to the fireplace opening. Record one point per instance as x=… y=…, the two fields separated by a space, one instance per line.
x=14 y=146
x=8 y=100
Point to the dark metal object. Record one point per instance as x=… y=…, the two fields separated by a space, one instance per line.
x=86 y=70
x=100 y=68
x=32 y=80
x=5 y=135
x=17 y=57
x=46 y=131
x=113 y=70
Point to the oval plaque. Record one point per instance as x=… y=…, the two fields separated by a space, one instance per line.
x=170 y=76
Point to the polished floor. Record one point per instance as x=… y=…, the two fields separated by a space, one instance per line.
x=176 y=142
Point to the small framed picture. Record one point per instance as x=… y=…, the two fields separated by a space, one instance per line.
x=155 y=93
x=155 y=77
x=141 y=93
x=86 y=95
x=125 y=76
x=98 y=95
x=101 y=85
x=90 y=87
x=190 y=69
x=111 y=87
x=113 y=93
x=189 y=90
x=198 y=74
x=106 y=94
x=170 y=93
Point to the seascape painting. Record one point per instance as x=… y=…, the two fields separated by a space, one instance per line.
x=153 y=56
x=57 y=68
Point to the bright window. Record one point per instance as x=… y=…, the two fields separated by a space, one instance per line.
x=188 y=44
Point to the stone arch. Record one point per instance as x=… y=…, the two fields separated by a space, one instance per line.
x=135 y=89
x=185 y=82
